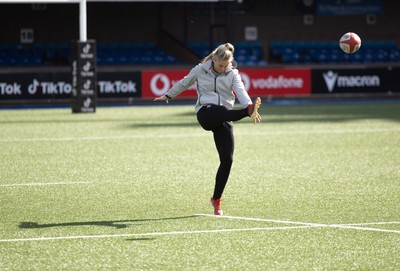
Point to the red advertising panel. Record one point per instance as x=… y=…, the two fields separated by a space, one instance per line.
x=156 y=83
x=263 y=82
x=258 y=82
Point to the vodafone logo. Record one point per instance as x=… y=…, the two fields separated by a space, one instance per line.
x=276 y=81
x=159 y=84
x=271 y=82
x=256 y=82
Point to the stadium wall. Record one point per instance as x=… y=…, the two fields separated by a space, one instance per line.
x=128 y=87
x=190 y=22
x=138 y=22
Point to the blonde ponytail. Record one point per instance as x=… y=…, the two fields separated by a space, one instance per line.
x=222 y=52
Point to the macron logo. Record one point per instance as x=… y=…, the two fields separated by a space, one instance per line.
x=330 y=79
x=352 y=81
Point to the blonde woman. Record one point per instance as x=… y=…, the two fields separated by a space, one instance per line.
x=218 y=83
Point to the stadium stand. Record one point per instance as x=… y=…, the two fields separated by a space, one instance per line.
x=50 y=54
x=246 y=53
x=118 y=53
x=144 y=53
x=300 y=52
x=18 y=55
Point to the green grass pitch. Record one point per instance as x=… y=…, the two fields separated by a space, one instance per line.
x=313 y=187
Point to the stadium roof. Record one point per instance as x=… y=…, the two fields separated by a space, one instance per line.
x=77 y=1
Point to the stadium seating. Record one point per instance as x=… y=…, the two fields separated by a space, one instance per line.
x=18 y=55
x=107 y=54
x=246 y=53
x=300 y=52
x=145 y=53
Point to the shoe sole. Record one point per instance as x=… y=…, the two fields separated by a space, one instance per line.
x=256 y=106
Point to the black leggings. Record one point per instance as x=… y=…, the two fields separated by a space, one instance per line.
x=218 y=119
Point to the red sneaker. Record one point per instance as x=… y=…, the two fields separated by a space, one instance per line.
x=216 y=203
x=252 y=110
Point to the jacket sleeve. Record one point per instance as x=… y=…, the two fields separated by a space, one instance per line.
x=183 y=84
x=239 y=89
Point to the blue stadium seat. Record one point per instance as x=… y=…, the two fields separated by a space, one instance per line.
x=329 y=52
x=247 y=53
x=143 y=53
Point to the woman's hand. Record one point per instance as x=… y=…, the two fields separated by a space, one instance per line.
x=161 y=98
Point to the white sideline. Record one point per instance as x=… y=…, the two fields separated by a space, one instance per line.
x=41 y=184
x=302 y=225
x=362 y=228
x=149 y=234
x=94 y=138
x=152 y=136
x=343 y=226
x=371 y=223
x=264 y=220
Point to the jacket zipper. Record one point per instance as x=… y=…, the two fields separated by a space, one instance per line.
x=215 y=90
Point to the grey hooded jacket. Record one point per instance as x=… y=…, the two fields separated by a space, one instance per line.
x=213 y=88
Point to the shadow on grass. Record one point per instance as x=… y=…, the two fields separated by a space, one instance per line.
x=322 y=112
x=92 y=118
x=119 y=224
x=162 y=124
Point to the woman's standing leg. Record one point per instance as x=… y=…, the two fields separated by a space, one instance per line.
x=219 y=120
x=224 y=142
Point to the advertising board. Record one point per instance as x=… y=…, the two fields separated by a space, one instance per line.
x=258 y=82
x=336 y=81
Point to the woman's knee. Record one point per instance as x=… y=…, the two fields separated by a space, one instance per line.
x=227 y=160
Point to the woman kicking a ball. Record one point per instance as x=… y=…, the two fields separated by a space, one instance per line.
x=217 y=82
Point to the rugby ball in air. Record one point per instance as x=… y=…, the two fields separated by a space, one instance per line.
x=350 y=43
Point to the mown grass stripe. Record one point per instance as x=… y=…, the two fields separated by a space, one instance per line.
x=152 y=136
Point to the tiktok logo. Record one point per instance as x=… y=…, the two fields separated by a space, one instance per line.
x=86 y=48
x=87 y=102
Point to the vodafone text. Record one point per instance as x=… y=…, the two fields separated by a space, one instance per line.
x=277 y=82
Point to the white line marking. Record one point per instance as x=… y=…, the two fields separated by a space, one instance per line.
x=39 y=184
x=149 y=234
x=93 y=138
x=304 y=225
x=153 y=136
x=342 y=226
x=372 y=223
x=264 y=220
x=362 y=228
x=310 y=132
